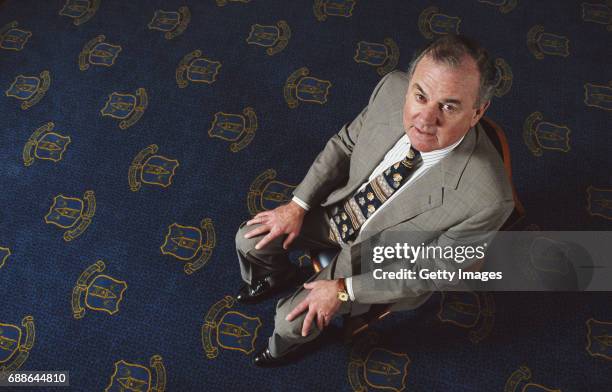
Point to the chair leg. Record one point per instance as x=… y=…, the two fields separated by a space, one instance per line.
x=352 y=326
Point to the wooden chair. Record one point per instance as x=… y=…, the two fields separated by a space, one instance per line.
x=321 y=258
x=499 y=141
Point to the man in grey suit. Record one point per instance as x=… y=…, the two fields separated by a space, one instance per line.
x=413 y=161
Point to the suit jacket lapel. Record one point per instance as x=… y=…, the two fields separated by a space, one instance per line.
x=375 y=145
x=372 y=149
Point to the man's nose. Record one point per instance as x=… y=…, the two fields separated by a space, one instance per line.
x=429 y=115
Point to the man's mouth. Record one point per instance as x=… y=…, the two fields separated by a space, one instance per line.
x=422 y=132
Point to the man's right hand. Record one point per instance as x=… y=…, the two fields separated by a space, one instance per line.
x=286 y=219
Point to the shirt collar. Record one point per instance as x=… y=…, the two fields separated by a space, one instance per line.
x=435 y=154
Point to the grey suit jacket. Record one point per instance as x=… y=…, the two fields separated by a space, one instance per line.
x=467 y=191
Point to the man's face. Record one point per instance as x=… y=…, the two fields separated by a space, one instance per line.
x=440 y=101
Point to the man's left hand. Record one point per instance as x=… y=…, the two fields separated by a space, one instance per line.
x=322 y=302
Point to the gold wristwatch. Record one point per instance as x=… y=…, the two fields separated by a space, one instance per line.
x=342 y=293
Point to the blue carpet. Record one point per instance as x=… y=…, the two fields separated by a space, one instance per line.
x=125 y=124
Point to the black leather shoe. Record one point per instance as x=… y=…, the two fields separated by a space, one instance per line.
x=265 y=359
x=252 y=294
x=262 y=289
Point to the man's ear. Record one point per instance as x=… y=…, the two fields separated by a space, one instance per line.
x=479 y=113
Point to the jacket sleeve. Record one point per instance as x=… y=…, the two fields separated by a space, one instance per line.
x=474 y=231
x=331 y=167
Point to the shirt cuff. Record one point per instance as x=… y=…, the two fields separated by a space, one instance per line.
x=349 y=287
x=301 y=203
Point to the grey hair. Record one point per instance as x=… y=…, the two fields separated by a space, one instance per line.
x=450 y=49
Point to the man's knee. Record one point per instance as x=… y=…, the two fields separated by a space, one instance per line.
x=246 y=245
x=292 y=329
x=288 y=329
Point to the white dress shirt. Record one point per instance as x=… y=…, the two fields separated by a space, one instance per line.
x=394 y=155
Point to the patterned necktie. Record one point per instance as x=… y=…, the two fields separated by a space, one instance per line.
x=347 y=216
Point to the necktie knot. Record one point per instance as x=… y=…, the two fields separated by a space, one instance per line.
x=412 y=153
x=412 y=158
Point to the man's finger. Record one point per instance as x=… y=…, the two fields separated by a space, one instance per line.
x=320 y=321
x=262 y=214
x=299 y=309
x=266 y=240
x=289 y=240
x=327 y=321
x=257 y=231
x=308 y=321
x=309 y=285
x=257 y=219
x=253 y=221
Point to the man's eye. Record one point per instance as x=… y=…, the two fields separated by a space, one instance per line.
x=448 y=108
x=420 y=97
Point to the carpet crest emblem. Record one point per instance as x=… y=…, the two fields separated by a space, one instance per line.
x=196 y=68
x=29 y=89
x=12 y=38
x=599 y=202
x=265 y=193
x=129 y=376
x=80 y=10
x=598 y=96
x=228 y=329
x=172 y=23
x=599 y=339
x=45 y=145
x=98 y=52
x=72 y=214
x=274 y=38
x=4 y=255
x=16 y=343
x=189 y=243
x=520 y=381
x=239 y=129
x=503 y=77
x=301 y=87
x=96 y=291
x=504 y=6
x=375 y=367
x=598 y=13
x=432 y=23
x=128 y=108
x=383 y=56
x=324 y=8
x=151 y=169
x=541 y=43
x=541 y=135
x=469 y=310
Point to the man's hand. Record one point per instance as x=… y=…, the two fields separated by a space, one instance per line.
x=322 y=302
x=286 y=219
